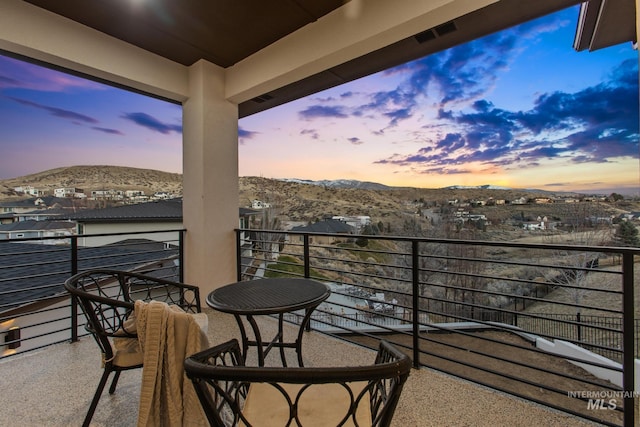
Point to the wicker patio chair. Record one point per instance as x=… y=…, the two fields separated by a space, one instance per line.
x=234 y=394
x=107 y=298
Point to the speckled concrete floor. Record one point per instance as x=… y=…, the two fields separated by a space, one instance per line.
x=53 y=387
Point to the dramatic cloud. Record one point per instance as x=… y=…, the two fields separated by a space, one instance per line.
x=595 y=125
x=320 y=111
x=450 y=78
x=149 y=122
x=58 y=112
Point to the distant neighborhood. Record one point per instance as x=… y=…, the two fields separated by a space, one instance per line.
x=126 y=196
x=65 y=212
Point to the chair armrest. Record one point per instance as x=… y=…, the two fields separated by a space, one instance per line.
x=130 y=286
x=145 y=287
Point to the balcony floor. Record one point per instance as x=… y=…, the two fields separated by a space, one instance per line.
x=53 y=387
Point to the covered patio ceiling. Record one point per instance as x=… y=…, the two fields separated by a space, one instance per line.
x=228 y=32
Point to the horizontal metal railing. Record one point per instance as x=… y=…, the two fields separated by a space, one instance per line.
x=551 y=323
x=35 y=309
x=543 y=322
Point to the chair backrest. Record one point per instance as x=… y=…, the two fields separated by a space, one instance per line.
x=107 y=298
x=234 y=394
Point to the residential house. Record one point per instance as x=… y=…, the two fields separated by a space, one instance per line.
x=325 y=226
x=68 y=192
x=357 y=222
x=259 y=204
x=151 y=216
x=107 y=194
x=32 y=191
x=32 y=228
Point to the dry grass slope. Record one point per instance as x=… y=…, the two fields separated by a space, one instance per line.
x=90 y=178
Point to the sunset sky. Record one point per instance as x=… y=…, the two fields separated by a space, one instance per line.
x=520 y=109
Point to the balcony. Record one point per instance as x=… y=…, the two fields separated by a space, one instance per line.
x=51 y=392
x=543 y=334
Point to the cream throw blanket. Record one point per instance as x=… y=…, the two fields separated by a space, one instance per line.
x=167 y=336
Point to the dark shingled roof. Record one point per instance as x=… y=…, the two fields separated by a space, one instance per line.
x=33 y=225
x=326 y=226
x=31 y=271
x=162 y=210
x=64 y=202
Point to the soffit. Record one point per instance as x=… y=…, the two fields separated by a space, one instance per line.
x=225 y=32
x=222 y=32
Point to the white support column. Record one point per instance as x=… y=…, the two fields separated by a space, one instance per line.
x=210 y=179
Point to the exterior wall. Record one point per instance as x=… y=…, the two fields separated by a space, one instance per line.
x=132 y=227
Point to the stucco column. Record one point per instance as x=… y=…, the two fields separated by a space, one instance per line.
x=210 y=179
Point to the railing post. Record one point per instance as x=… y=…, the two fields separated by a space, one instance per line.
x=74 y=301
x=181 y=255
x=239 y=255
x=415 y=281
x=307 y=268
x=628 y=367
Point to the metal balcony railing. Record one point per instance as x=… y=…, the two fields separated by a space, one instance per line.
x=551 y=323
x=35 y=309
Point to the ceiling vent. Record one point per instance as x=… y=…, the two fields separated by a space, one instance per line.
x=262 y=98
x=439 y=31
x=425 y=36
x=446 y=28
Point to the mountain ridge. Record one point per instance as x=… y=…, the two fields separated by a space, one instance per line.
x=101 y=177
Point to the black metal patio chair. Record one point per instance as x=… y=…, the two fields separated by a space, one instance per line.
x=107 y=298
x=234 y=394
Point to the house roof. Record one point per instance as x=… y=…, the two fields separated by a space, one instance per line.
x=31 y=202
x=247 y=212
x=32 y=271
x=326 y=226
x=226 y=32
x=161 y=210
x=33 y=225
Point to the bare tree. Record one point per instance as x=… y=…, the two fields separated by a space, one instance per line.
x=268 y=237
x=585 y=224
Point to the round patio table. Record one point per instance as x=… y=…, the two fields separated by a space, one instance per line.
x=275 y=296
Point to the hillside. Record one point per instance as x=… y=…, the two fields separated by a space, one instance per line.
x=303 y=201
x=90 y=178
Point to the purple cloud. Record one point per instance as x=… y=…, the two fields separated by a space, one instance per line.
x=595 y=125
x=149 y=122
x=107 y=130
x=321 y=111
x=58 y=112
x=244 y=135
x=311 y=133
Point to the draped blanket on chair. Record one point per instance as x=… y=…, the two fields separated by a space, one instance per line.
x=167 y=336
